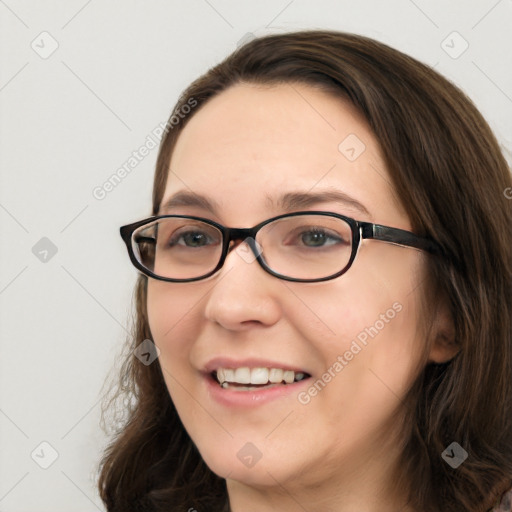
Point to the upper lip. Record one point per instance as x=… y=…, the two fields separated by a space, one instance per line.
x=226 y=362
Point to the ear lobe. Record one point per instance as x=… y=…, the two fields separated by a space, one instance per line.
x=444 y=347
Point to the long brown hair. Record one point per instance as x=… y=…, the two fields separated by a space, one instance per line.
x=450 y=175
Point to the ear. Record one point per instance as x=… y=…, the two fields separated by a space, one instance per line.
x=444 y=345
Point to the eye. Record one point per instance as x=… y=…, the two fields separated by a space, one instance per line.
x=315 y=236
x=191 y=238
x=318 y=238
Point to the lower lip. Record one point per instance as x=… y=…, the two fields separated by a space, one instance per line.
x=258 y=396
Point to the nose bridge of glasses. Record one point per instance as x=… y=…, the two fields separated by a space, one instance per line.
x=242 y=234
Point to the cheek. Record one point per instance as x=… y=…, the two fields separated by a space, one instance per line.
x=174 y=324
x=174 y=315
x=336 y=317
x=364 y=327
x=171 y=308
x=368 y=365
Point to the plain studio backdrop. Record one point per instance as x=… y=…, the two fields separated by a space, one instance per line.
x=84 y=84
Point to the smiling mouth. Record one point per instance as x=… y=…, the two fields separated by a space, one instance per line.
x=250 y=379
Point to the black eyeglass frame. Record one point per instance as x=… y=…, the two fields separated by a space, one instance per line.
x=360 y=230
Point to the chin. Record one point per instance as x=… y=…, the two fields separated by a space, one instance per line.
x=244 y=463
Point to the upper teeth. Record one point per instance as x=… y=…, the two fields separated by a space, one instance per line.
x=257 y=375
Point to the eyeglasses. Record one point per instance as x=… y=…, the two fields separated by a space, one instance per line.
x=305 y=247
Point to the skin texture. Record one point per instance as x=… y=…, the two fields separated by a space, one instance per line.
x=337 y=452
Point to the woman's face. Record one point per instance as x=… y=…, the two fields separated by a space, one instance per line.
x=355 y=336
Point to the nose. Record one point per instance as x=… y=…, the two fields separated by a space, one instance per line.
x=243 y=295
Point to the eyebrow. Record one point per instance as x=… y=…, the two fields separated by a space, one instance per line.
x=287 y=202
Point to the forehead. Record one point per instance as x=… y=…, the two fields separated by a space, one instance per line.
x=253 y=142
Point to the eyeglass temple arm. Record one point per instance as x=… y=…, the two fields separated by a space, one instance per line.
x=147 y=239
x=398 y=236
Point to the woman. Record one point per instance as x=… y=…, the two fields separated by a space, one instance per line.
x=351 y=352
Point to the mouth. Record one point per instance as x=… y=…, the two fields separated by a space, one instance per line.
x=252 y=379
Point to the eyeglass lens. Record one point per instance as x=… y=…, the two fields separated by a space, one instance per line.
x=301 y=247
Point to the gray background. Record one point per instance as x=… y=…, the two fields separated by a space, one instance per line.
x=69 y=119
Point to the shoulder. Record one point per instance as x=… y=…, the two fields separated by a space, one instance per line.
x=504 y=504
